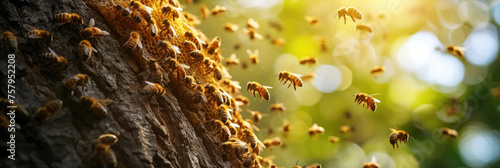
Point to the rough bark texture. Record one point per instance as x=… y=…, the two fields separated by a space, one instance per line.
x=168 y=131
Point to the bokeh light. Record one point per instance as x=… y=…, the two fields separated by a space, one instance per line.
x=328 y=78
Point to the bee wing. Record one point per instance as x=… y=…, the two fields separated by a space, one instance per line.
x=184 y=66
x=88 y=50
x=138 y=43
x=258 y=36
x=230 y=117
x=148 y=9
x=176 y=49
x=177 y=8
x=393 y=130
x=373 y=159
x=376 y=100
x=149 y=83
x=235 y=125
x=91 y=22
x=236 y=84
x=102 y=33
x=93 y=49
x=260 y=143
x=29 y=27
x=201 y=41
x=105 y=101
x=267 y=87
x=173 y=30
x=51 y=51
x=204 y=98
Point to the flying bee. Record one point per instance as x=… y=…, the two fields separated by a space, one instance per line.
x=253 y=34
x=232 y=60
x=255 y=87
x=251 y=23
x=157 y=76
x=49 y=109
x=244 y=100
x=35 y=34
x=218 y=10
x=96 y=105
x=278 y=108
x=448 y=132
x=77 y=80
x=278 y=41
x=322 y=44
x=256 y=116
x=377 y=70
x=308 y=60
x=371 y=103
x=191 y=19
x=315 y=130
x=214 y=45
x=10 y=41
x=254 y=56
x=224 y=113
x=313 y=21
x=371 y=164
x=269 y=143
x=172 y=64
x=364 y=28
x=91 y=31
x=85 y=50
x=163 y=44
x=351 y=12
x=57 y=63
x=107 y=139
x=229 y=27
x=69 y=18
x=152 y=89
x=307 y=77
x=133 y=41
x=456 y=51
x=398 y=135
x=346 y=129
x=294 y=79
x=204 y=11
x=333 y=139
x=220 y=128
x=285 y=127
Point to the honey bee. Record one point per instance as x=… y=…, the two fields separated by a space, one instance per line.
x=285 y=127
x=214 y=45
x=346 y=129
x=244 y=100
x=197 y=56
x=315 y=130
x=232 y=60
x=266 y=160
x=377 y=70
x=253 y=34
x=49 y=109
x=224 y=113
x=351 y=12
x=191 y=46
x=254 y=56
x=253 y=87
x=456 y=51
x=218 y=10
x=191 y=19
x=308 y=60
x=307 y=77
x=171 y=11
x=152 y=89
x=35 y=34
x=251 y=160
x=278 y=41
x=249 y=137
x=256 y=116
x=155 y=71
x=96 y=105
x=125 y=11
x=91 y=31
x=145 y=12
x=364 y=28
x=133 y=41
x=333 y=139
x=235 y=147
x=233 y=127
x=252 y=24
x=136 y=17
x=166 y=26
x=371 y=164
x=448 y=132
x=69 y=18
x=163 y=44
x=190 y=82
x=58 y=63
x=269 y=143
x=229 y=27
x=366 y=99
x=313 y=21
x=276 y=25
x=204 y=11
x=222 y=129
x=107 y=139
x=10 y=41
x=322 y=44
x=77 y=80
x=85 y=50
x=278 y=108
x=108 y=158
x=136 y=5
x=199 y=95
x=398 y=135
x=294 y=79
x=173 y=65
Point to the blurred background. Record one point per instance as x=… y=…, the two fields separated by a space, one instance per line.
x=423 y=87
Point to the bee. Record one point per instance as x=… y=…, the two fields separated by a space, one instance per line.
x=308 y=60
x=366 y=99
x=315 y=165
x=190 y=82
x=77 y=80
x=229 y=27
x=222 y=129
x=152 y=89
x=235 y=147
x=251 y=160
x=35 y=34
x=377 y=70
x=214 y=45
x=252 y=24
x=294 y=79
x=244 y=100
x=398 y=135
x=371 y=164
x=249 y=137
x=333 y=139
x=315 y=130
x=106 y=139
x=256 y=116
x=253 y=34
x=197 y=56
x=91 y=31
x=285 y=127
x=58 y=63
x=364 y=28
x=69 y=18
x=313 y=21
x=266 y=160
x=163 y=44
x=171 y=11
x=125 y=11
x=307 y=77
x=191 y=46
x=191 y=19
x=233 y=127
x=276 y=25
x=253 y=87
x=155 y=71
x=49 y=109
x=96 y=105
x=322 y=44
x=136 y=5
x=351 y=12
x=136 y=17
x=224 y=113
x=456 y=51
x=145 y=12
x=448 y=132
x=172 y=64
x=237 y=46
x=204 y=11
x=269 y=143
x=21 y=114
x=10 y=41
x=232 y=60
x=254 y=56
x=346 y=129
x=133 y=41
x=85 y=50
x=278 y=108
x=108 y=158
x=278 y=41
x=218 y=10
x=199 y=95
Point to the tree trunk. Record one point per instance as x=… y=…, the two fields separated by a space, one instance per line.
x=165 y=131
